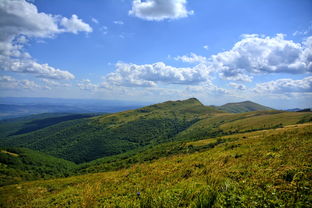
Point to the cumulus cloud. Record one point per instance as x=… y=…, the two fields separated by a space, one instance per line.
x=148 y=75
x=21 y=17
x=285 y=86
x=159 y=9
x=237 y=86
x=21 y=20
x=8 y=82
x=48 y=83
x=256 y=54
x=74 y=25
x=208 y=88
x=28 y=65
x=192 y=58
x=87 y=85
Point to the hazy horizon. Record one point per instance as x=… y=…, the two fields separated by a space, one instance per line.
x=110 y=103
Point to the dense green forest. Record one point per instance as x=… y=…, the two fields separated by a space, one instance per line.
x=21 y=164
x=15 y=126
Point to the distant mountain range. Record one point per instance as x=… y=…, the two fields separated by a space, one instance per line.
x=12 y=107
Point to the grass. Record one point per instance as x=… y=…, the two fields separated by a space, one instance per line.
x=267 y=168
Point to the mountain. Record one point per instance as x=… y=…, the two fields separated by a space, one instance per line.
x=242 y=107
x=176 y=154
x=86 y=139
x=266 y=168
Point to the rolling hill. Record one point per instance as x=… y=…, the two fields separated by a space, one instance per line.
x=242 y=107
x=266 y=168
x=176 y=154
x=86 y=139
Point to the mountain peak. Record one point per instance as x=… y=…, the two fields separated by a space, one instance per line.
x=245 y=106
x=193 y=100
x=190 y=101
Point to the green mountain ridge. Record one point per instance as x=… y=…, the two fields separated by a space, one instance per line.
x=86 y=139
x=241 y=107
x=168 y=147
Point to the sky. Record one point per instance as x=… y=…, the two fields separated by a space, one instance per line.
x=218 y=51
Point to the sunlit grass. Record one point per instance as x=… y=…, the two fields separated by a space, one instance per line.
x=268 y=168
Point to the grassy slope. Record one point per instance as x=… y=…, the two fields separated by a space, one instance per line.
x=267 y=168
x=212 y=126
x=21 y=164
x=227 y=123
x=88 y=139
x=242 y=107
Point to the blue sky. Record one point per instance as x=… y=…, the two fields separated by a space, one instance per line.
x=151 y=51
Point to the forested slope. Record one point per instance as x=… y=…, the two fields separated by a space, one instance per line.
x=87 y=139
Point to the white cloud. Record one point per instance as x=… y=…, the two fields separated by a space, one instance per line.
x=74 y=25
x=53 y=83
x=149 y=75
x=21 y=20
x=235 y=75
x=303 y=32
x=104 y=29
x=256 y=54
x=192 y=58
x=118 y=22
x=206 y=88
x=237 y=86
x=159 y=9
x=87 y=85
x=206 y=47
x=8 y=82
x=285 y=86
x=94 y=20
x=28 y=65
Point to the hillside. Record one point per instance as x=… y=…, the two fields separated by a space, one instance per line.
x=30 y=123
x=266 y=168
x=21 y=164
x=242 y=107
x=86 y=139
